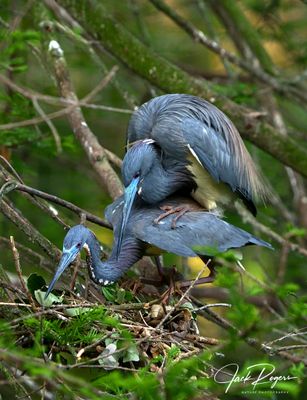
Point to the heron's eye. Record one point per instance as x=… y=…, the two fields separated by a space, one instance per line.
x=136 y=175
x=78 y=245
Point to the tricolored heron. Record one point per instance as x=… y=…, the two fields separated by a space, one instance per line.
x=197 y=233
x=183 y=142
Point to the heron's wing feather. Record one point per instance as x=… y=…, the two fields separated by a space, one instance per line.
x=207 y=231
x=211 y=150
x=195 y=232
x=160 y=235
x=218 y=156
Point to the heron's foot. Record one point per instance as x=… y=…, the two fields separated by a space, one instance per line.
x=169 y=210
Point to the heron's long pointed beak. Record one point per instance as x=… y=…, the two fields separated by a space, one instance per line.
x=129 y=196
x=67 y=258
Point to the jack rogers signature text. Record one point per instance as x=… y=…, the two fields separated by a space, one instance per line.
x=262 y=375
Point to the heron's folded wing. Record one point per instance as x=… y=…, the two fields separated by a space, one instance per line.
x=195 y=233
x=160 y=235
x=210 y=148
x=220 y=152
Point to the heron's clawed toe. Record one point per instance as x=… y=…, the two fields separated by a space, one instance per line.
x=180 y=212
x=169 y=210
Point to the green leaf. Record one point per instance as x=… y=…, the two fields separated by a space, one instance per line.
x=73 y=312
x=51 y=299
x=229 y=255
x=174 y=351
x=131 y=354
x=287 y=289
x=293 y=231
x=298 y=370
x=121 y=295
x=109 y=293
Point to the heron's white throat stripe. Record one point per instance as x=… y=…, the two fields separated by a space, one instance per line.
x=86 y=247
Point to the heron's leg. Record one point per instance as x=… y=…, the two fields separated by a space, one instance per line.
x=159 y=266
x=166 y=296
x=169 y=210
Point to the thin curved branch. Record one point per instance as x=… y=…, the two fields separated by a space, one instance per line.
x=49 y=123
x=29 y=254
x=57 y=200
x=248 y=218
x=32 y=95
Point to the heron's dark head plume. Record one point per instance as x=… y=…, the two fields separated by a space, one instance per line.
x=139 y=160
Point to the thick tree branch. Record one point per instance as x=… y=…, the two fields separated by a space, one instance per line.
x=161 y=73
x=94 y=151
x=254 y=70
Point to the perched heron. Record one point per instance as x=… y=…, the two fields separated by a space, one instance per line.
x=182 y=142
x=197 y=233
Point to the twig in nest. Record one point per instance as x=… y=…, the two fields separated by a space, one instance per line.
x=19 y=273
x=184 y=295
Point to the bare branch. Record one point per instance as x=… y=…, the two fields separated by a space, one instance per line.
x=15 y=216
x=248 y=218
x=52 y=128
x=29 y=254
x=32 y=95
x=54 y=199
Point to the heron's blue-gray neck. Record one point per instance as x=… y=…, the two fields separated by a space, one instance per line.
x=106 y=272
x=165 y=180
